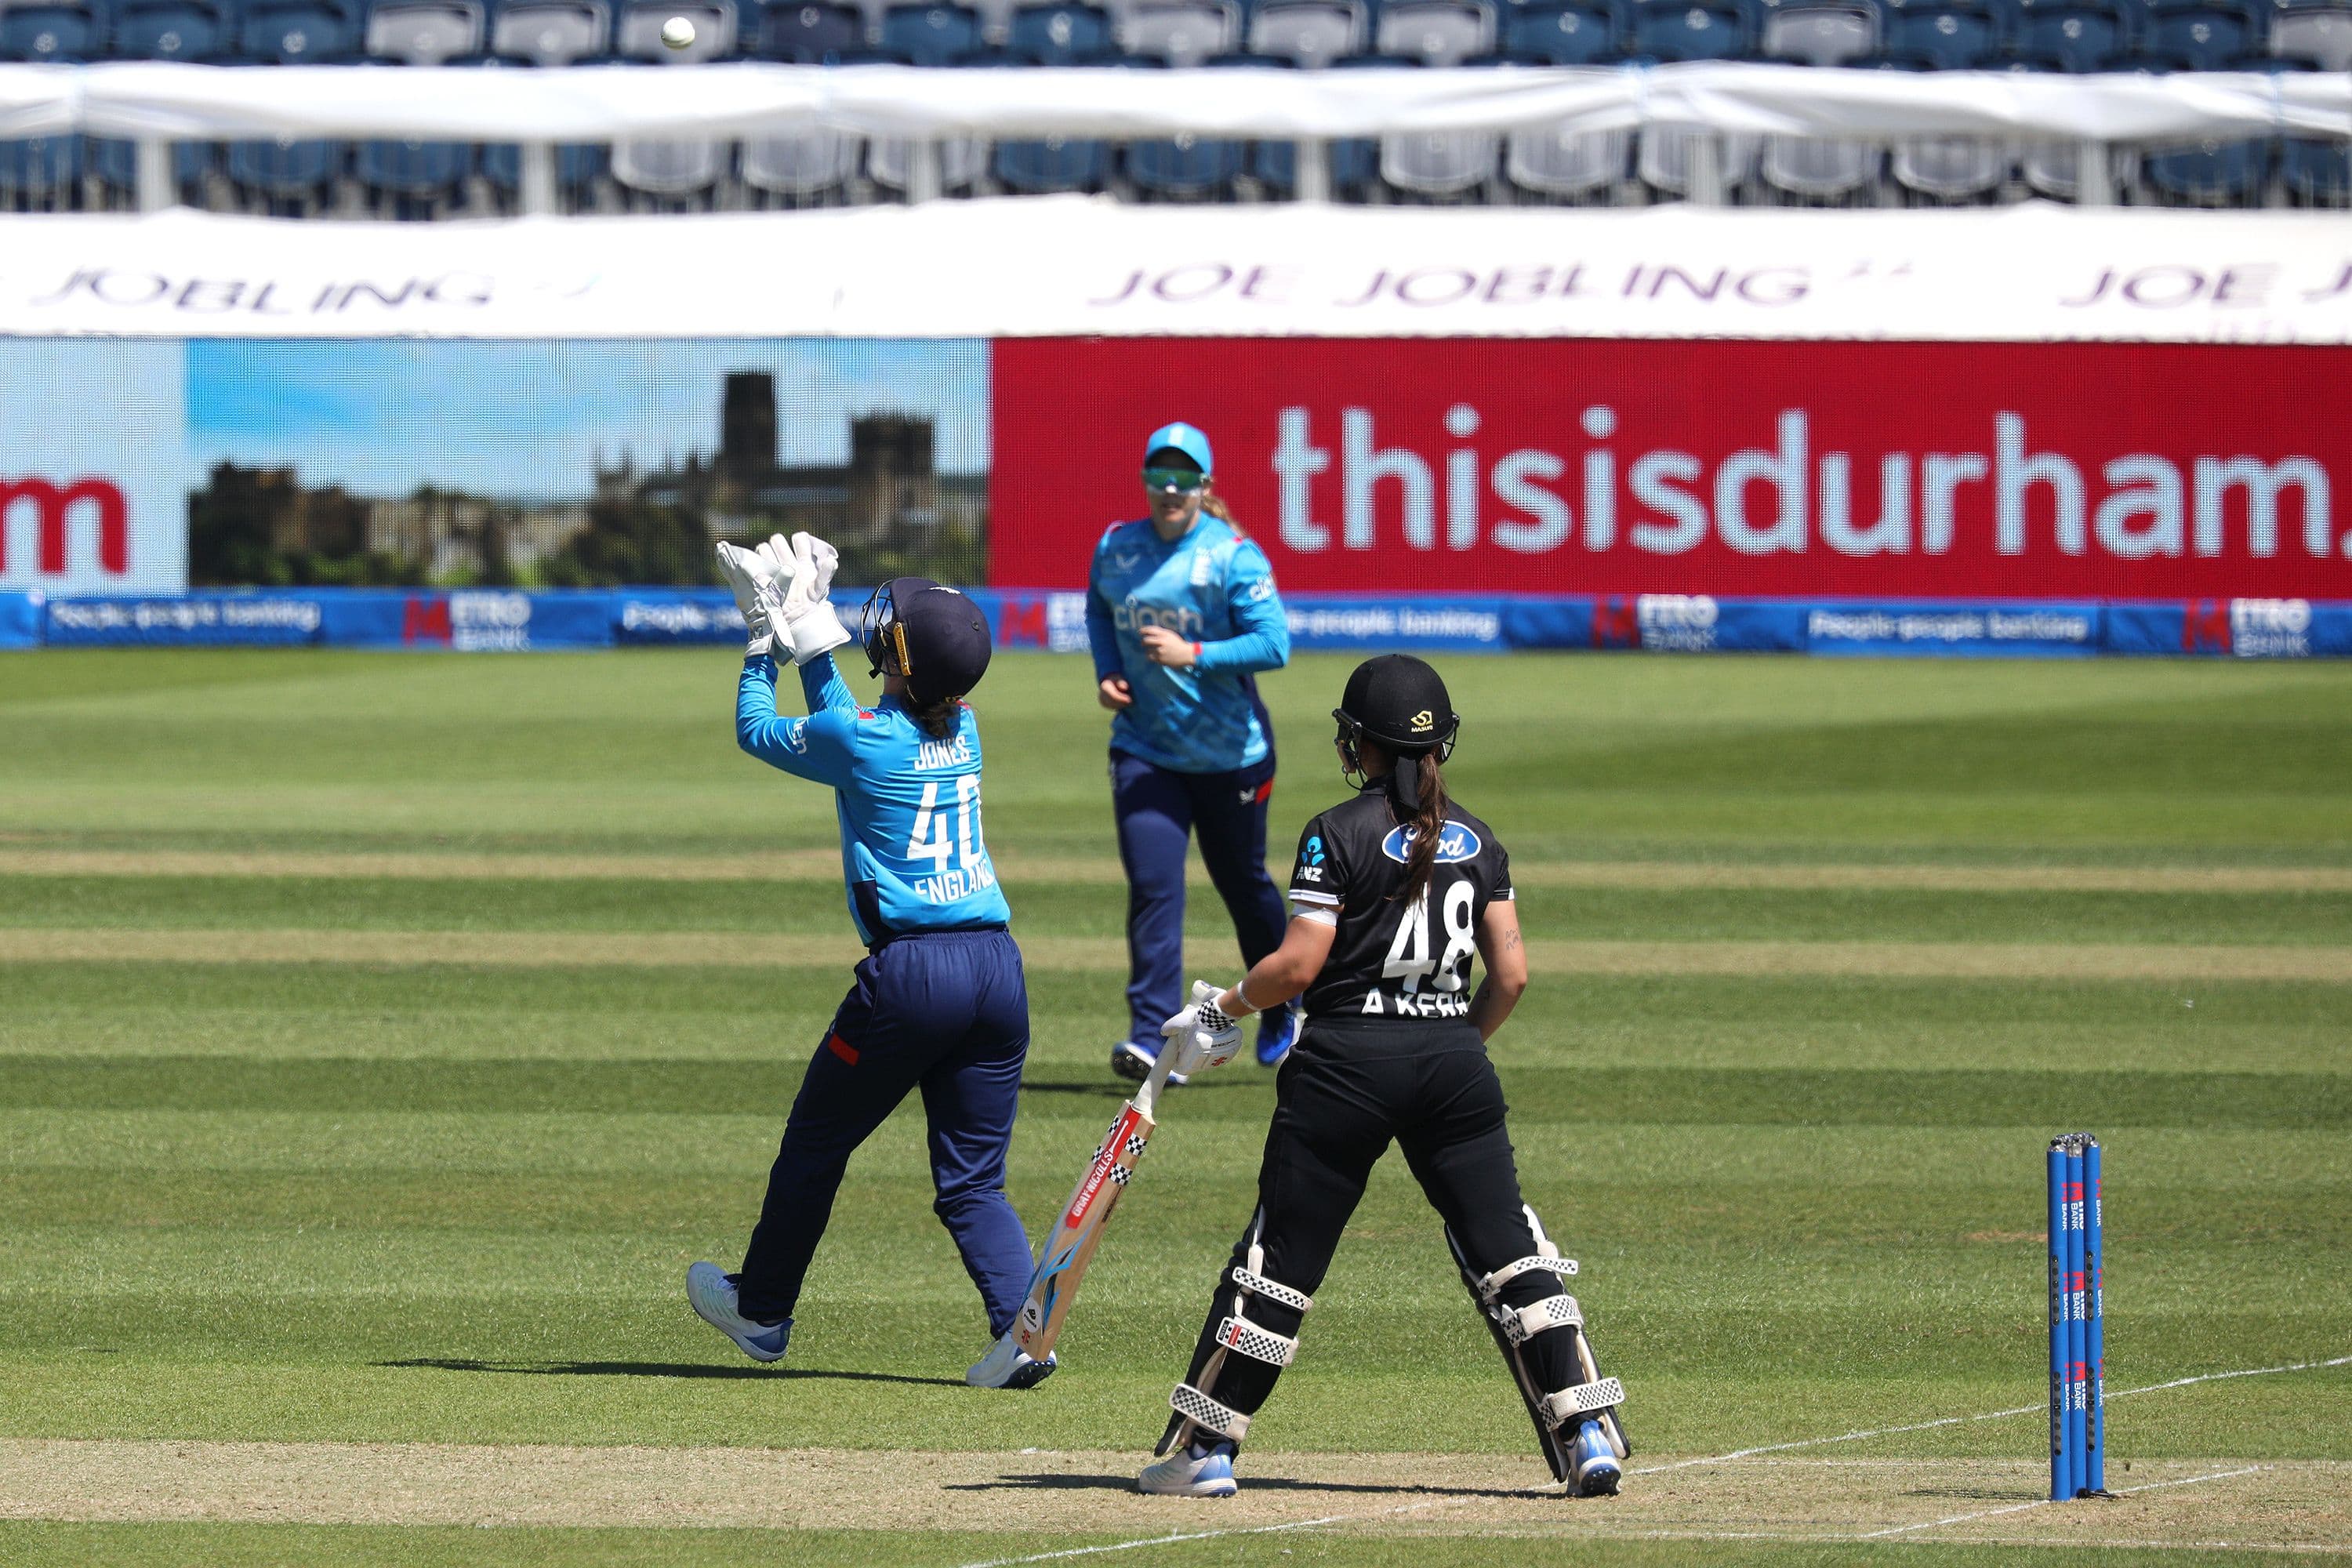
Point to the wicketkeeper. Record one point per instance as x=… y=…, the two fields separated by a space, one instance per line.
x=1394 y=890
x=940 y=1002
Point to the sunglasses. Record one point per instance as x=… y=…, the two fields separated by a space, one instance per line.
x=1180 y=481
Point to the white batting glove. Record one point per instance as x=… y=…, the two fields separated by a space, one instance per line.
x=1201 y=1035
x=761 y=581
x=812 y=623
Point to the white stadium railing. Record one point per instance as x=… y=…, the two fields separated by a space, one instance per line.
x=157 y=104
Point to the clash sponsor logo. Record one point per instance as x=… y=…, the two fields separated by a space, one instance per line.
x=1455 y=845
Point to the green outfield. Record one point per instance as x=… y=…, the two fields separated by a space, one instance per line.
x=382 y=1036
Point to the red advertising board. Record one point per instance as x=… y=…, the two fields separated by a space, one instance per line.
x=1879 y=469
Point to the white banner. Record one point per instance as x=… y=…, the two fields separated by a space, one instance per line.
x=1048 y=266
x=603 y=104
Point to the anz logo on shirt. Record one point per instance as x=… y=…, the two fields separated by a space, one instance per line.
x=1455 y=845
x=1310 y=861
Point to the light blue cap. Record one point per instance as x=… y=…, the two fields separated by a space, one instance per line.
x=1185 y=438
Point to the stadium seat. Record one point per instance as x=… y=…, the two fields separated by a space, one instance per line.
x=1183 y=33
x=930 y=35
x=1056 y=163
x=168 y=30
x=1184 y=168
x=1818 y=32
x=1951 y=169
x=2320 y=34
x=550 y=32
x=1571 y=35
x=962 y=161
x=2317 y=174
x=578 y=171
x=1664 y=156
x=424 y=32
x=115 y=164
x=1063 y=34
x=1439 y=166
x=636 y=31
x=412 y=179
x=1439 y=34
x=1353 y=164
x=1563 y=163
x=806 y=33
x=297 y=32
x=1817 y=170
x=2209 y=174
x=51 y=33
x=2204 y=40
x=1671 y=33
x=1942 y=37
x=812 y=166
x=40 y=173
x=2073 y=41
x=285 y=179
x=1309 y=34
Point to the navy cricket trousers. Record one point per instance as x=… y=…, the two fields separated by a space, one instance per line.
x=945 y=1011
x=1157 y=809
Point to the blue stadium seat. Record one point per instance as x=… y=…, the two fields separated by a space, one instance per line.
x=1184 y=168
x=577 y=170
x=2203 y=39
x=116 y=163
x=1033 y=168
x=807 y=33
x=289 y=179
x=2317 y=31
x=420 y=171
x=1065 y=34
x=2214 y=174
x=1942 y=39
x=1552 y=36
x=41 y=174
x=2076 y=41
x=550 y=32
x=930 y=35
x=61 y=31
x=424 y=32
x=297 y=32
x=2317 y=174
x=1671 y=32
x=168 y=30
x=1353 y=162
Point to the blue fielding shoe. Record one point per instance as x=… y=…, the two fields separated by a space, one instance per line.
x=1277 y=1031
x=1196 y=1469
x=711 y=1294
x=1592 y=1468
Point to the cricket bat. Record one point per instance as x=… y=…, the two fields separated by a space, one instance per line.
x=1077 y=1229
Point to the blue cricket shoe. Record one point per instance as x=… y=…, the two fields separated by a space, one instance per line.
x=1277 y=1031
x=1592 y=1467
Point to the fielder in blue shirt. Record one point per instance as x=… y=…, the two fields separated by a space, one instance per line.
x=1181 y=615
x=939 y=1000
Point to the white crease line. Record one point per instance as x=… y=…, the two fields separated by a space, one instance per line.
x=1988 y=1416
x=1207 y=1535
x=2045 y=1502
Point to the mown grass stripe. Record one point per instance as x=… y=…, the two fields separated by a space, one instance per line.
x=752 y=950
x=1567 y=1094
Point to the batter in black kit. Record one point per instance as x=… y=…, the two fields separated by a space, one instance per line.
x=1393 y=891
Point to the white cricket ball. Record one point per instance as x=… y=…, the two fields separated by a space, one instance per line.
x=677 y=32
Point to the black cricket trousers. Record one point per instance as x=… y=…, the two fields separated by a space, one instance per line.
x=1345 y=1093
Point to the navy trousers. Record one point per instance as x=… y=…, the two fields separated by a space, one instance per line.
x=1157 y=808
x=947 y=1012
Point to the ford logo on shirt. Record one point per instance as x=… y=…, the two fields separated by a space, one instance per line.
x=1457 y=845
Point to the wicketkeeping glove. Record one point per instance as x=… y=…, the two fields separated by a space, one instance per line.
x=1200 y=1036
x=814 y=624
x=762 y=579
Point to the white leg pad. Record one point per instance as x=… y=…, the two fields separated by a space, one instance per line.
x=1202 y=1411
x=1238 y=1334
x=1584 y=1399
x=1259 y=1285
x=1527 y=1323
x=1492 y=1286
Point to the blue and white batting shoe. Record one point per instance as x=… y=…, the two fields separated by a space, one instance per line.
x=1196 y=1469
x=1276 y=1032
x=1007 y=1365
x=1132 y=1060
x=1592 y=1468
x=712 y=1295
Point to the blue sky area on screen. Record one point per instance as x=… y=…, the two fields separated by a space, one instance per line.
x=529 y=419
